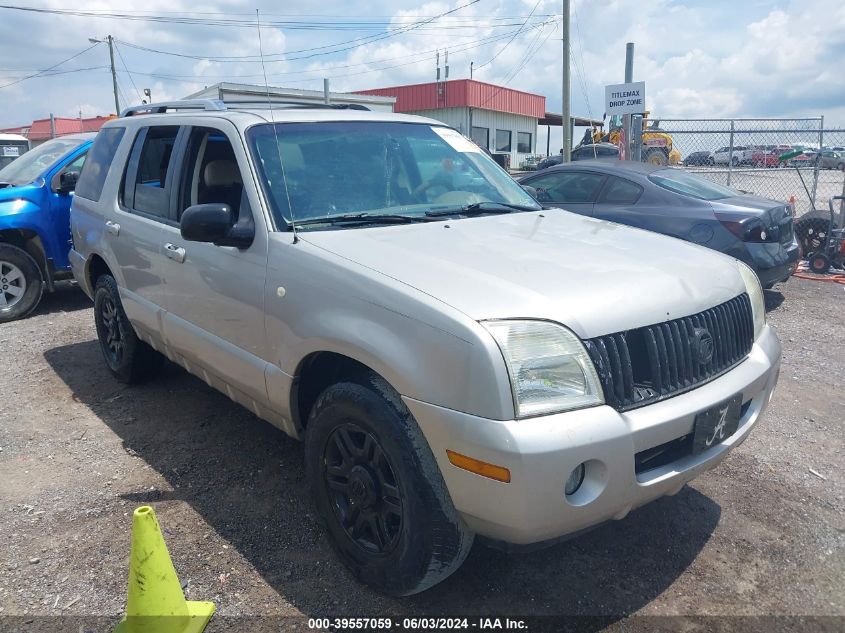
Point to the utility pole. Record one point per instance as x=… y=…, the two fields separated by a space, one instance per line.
x=110 y=41
x=565 y=117
x=629 y=77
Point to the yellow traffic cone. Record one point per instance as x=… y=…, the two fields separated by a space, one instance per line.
x=156 y=603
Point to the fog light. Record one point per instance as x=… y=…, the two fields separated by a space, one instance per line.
x=576 y=478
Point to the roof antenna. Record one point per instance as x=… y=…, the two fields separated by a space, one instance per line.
x=275 y=131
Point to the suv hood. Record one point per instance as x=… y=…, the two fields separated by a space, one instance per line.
x=595 y=277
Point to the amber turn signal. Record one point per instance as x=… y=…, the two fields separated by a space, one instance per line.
x=491 y=471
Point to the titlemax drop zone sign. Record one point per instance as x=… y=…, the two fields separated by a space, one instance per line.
x=625 y=98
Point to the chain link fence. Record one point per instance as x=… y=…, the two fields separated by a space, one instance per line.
x=774 y=158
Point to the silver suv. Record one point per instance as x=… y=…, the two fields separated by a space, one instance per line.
x=458 y=360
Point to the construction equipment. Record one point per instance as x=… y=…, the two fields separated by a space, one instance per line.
x=658 y=146
x=832 y=251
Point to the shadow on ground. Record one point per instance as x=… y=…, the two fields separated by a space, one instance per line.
x=67 y=297
x=772 y=299
x=244 y=478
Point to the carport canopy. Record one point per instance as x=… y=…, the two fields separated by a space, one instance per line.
x=555 y=118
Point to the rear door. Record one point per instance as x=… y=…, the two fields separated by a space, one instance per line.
x=134 y=231
x=215 y=294
x=574 y=191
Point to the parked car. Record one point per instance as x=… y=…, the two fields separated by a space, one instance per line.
x=455 y=359
x=12 y=146
x=755 y=230
x=832 y=160
x=769 y=155
x=591 y=151
x=740 y=155
x=35 y=194
x=698 y=159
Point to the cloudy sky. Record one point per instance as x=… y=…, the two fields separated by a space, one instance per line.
x=700 y=58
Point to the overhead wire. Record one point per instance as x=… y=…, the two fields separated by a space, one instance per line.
x=46 y=70
x=490 y=61
x=132 y=79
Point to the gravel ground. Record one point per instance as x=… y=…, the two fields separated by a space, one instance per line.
x=762 y=534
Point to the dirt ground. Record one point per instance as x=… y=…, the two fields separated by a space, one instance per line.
x=762 y=534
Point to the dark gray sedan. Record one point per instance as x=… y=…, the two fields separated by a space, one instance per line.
x=755 y=230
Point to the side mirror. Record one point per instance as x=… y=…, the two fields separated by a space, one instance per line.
x=531 y=191
x=215 y=223
x=67 y=182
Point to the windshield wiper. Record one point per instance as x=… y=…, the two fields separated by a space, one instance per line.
x=480 y=208
x=362 y=218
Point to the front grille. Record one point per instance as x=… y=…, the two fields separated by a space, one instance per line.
x=651 y=363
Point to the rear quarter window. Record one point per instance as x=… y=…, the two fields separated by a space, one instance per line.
x=96 y=168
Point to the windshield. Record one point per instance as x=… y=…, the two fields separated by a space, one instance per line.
x=36 y=161
x=691 y=185
x=322 y=170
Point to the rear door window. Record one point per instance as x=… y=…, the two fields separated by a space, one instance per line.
x=149 y=173
x=93 y=176
x=621 y=191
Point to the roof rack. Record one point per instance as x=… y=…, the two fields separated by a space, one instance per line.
x=215 y=105
x=164 y=106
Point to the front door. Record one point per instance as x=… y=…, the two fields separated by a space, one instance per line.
x=215 y=294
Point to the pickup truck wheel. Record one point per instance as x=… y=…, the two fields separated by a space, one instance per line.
x=21 y=285
x=378 y=489
x=127 y=357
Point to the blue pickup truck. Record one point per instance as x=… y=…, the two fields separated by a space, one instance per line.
x=35 y=194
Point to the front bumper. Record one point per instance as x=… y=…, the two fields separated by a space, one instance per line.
x=541 y=453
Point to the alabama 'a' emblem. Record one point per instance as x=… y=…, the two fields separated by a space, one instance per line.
x=719 y=431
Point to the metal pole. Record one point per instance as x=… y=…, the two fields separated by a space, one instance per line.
x=818 y=160
x=629 y=77
x=470 y=69
x=636 y=137
x=565 y=116
x=113 y=76
x=731 y=154
x=52 y=126
x=326 y=98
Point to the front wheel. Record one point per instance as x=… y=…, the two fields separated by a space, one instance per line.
x=128 y=358
x=656 y=157
x=378 y=489
x=21 y=285
x=819 y=263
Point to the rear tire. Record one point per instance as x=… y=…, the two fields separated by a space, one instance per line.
x=128 y=358
x=656 y=157
x=379 y=491
x=21 y=284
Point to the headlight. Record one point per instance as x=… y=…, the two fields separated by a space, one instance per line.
x=549 y=368
x=755 y=293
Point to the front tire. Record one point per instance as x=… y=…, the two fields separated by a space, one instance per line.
x=819 y=263
x=128 y=358
x=379 y=491
x=21 y=285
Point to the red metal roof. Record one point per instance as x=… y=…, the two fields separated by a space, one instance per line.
x=40 y=128
x=462 y=93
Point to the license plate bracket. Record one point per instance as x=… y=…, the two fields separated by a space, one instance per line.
x=716 y=424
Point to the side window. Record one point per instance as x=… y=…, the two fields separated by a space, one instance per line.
x=148 y=174
x=211 y=173
x=620 y=191
x=608 y=151
x=100 y=157
x=76 y=164
x=567 y=186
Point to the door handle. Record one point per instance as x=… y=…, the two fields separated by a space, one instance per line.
x=112 y=227
x=176 y=253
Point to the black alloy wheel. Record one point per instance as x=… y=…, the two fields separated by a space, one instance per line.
x=364 y=488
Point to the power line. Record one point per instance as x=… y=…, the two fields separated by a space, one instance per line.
x=122 y=61
x=348 y=44
x=46 y=70
x=490 y=61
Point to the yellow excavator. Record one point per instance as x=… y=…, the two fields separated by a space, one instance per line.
x=658 y=148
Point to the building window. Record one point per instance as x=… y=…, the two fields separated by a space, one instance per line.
x=481 y=137
x=503 y=140
x=523 y=142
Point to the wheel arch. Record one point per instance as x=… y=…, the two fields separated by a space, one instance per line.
x=317 y=371
x=29 y=241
